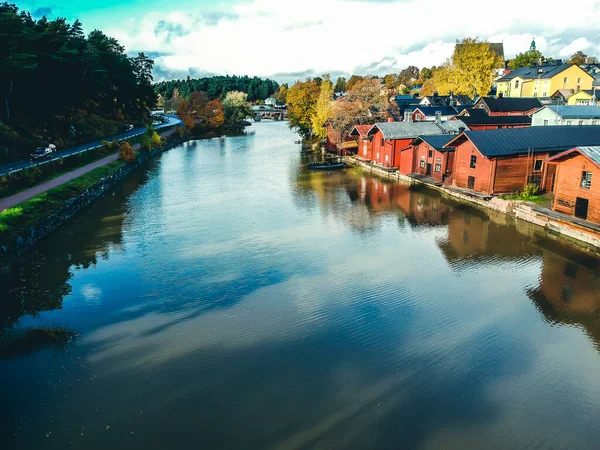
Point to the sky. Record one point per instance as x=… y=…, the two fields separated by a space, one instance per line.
x=289 y=40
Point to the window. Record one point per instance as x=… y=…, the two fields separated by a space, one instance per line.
x=544 y=94
x=382 y=141
x=516 y=84
x=537 y=166
x=364 y=147
x=430 y=153
x=422 y=164
x=578 y=80
x=581 y=122
x=586 y=180
x=545 y=122
x=594 y=122
x=438 y=167
x=566 y=80
x=569 y=122
x=473 y=163
x=534 y=93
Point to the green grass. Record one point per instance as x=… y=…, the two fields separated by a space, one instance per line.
x=17 y=220
x=528 y=198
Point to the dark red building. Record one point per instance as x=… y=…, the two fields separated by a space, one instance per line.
x=479 y=119
x=432 y=159
x=502 y=161
x=365 y=143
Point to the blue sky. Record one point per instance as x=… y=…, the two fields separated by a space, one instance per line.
x=289 y=40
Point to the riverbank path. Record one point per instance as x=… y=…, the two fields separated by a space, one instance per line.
x=16 y=166
x=22 y=196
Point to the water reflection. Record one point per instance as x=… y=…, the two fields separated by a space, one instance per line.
x=230 y=296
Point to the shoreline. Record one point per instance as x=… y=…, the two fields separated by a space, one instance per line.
x=552 y=228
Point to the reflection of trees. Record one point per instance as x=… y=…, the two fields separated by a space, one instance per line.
x=40 y=279
x=569 y=292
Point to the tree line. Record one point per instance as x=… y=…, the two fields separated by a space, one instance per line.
x=49 y=69
x=218 y=86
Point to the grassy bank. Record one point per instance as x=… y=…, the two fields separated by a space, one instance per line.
x=16 y=221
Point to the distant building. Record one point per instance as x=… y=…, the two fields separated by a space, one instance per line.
x=445 y=100
x=543 y=80
x=566 y=115
x=433 y=113
x=479 y=119
x=365 y=144
x=271 y=102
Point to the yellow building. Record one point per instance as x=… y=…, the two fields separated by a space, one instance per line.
x=585 y=98
x=544 y=80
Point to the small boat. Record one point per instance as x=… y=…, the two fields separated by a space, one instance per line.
x=299 y=141
x=326 y=165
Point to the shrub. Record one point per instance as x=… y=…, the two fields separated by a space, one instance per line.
x=126 y=152
x=109 y=147
x=530 y=190
x=146 y=143
x=180 y=132
x=155 y=140
x=33 y=174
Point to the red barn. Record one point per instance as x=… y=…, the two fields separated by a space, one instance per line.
x=577 y=183
x=365 y=143
x=478 y=119
x=508 y=106
x=501 y=161
x=392 y=141
x=432 y=159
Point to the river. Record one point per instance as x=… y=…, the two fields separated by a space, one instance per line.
x=225 y=298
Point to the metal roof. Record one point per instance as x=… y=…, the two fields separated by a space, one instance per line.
x=515 y=141
x=438 y=141
x=547 y=71
x=508 y=104
x=476 y=116
x=592 y=152
x=406 y=130
x=575 y=111
x=431 y=110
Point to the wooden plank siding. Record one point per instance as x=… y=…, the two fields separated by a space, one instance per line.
x=517 y=171
x=445 y=159
x=567 y=186
x=462 y=170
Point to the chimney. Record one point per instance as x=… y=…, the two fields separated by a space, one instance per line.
x=438 y=117
x=408 y=115
x=435 y=94
x=461 y=130
x=390 y=119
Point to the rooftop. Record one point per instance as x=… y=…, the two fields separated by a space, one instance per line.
x=590 y=152
x=406 y=130
x=508 y=104
x=475 y=116
x=544 y=71
x=575 y=111
x=515 y=141
x=436 y=141
x=431 y=110
x=360 y=130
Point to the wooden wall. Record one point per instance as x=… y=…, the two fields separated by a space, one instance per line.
x=441 y=158
x=462 y=170
x=512 y=173
x=567 y=187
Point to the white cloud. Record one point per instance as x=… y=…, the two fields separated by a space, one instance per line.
x=267 y=37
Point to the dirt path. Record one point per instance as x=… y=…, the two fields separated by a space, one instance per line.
x=20 y=197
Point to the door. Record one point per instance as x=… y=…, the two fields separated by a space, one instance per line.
x=581 y=208
x=428 y=170
x=471 y=183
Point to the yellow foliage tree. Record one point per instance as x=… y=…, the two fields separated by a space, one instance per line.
x=322 y=108
x=301 y=100
x=470 y=71
x=156 y=141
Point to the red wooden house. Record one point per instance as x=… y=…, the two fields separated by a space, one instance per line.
x=392 y=141
x=502 y=161
x=432 y=159
x=508 y=106
x=479 y=119
x=365 y=143
x=577 y=182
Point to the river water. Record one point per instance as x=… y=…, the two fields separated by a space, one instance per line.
x=226 y=298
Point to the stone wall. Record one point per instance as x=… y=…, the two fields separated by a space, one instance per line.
x=74 y=205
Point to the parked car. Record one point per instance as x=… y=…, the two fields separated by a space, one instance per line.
x=165 y=119
x=155 y=123
x=128 y=127
x=41 y=153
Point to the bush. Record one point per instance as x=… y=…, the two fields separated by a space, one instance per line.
x=33 y=174
x=155 y=140
x=530 y=190
x=146 y=143
x=126 y=152
x=180 y=132
x=109 y=147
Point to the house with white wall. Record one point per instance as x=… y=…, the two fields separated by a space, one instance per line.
x=566 y=115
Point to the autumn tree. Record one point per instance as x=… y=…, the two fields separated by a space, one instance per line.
x=126 y=152
x=236 y=107
x=426 y=74
x=352 y=81
x=301 y=100
x=578 y=58
x=281 y=94
x=470 y=71
x=409 y=76
x=214 y=113
x=526 y=59
x=322 y=108
x=363 y=104
x=340 y=84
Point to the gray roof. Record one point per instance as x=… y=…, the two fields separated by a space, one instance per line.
x=516 y=141
x=575 y=112
x=406 y=130
x=438 y=141
x=591 y=152
x=510 y=104
x=546 y=71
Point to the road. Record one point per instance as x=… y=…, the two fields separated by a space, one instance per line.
x=22 y=196
x=16 y=166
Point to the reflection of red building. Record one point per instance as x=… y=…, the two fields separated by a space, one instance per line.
x=365 y=143
x=432 y=159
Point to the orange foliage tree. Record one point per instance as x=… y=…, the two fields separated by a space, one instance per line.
x=126 y=152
